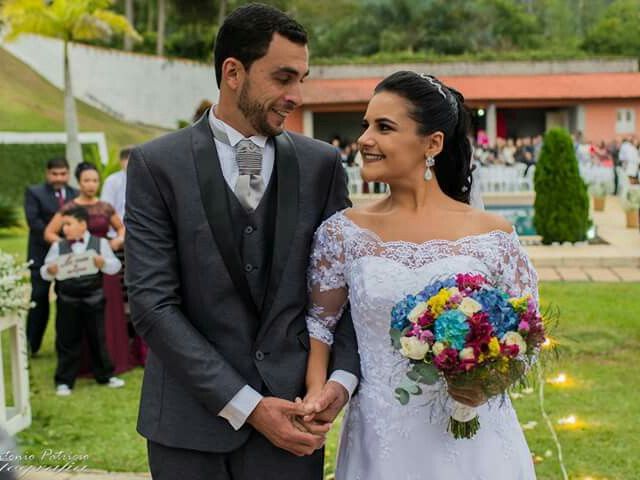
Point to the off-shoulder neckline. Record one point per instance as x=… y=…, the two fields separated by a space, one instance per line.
x=492 y=233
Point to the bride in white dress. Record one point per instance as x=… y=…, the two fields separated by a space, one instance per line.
x=371 y=257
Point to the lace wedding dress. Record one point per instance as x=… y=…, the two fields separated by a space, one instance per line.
x=381 y=439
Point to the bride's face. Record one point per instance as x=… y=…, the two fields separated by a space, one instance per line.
x=392 y=149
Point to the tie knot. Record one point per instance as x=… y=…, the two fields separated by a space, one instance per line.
x=249 y=158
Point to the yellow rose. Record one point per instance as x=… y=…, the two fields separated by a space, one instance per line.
x=520 y=304
x=438 y=301
x=416 y=313
x=413 y=348
x=514 y=338
x=469 y=306
x=494 y=348
x=453 y=291
x=438 y=347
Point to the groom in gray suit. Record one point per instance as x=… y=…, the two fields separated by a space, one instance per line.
x=220 y=218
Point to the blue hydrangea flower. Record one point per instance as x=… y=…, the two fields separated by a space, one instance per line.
x=452 y=327
x=434 y=288
x=502 y=316
x=399 y=313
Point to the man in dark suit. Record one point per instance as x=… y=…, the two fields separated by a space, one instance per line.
x=41 y=202
x=220 y=219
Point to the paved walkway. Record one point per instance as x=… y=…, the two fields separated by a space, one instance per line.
x=619 y=261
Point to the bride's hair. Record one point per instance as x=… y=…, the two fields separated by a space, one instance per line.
x=437 y=107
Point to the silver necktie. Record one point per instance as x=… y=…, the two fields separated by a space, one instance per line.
x=250 y=186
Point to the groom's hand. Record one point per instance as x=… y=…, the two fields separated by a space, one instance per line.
x=273 y=417
x=329 y=403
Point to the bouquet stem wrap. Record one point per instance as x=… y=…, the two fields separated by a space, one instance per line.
x=464 y=422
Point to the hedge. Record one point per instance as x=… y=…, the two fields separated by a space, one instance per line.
x=561 y=204
x=25 y=164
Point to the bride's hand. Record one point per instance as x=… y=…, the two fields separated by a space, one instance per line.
x=470 y=395
x=316 y=427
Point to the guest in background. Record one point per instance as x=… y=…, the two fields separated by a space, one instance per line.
x=80 y=303
x=630 y=160
x=113 y=192
x=102 y=216
x=115 y=185
x=41 y=202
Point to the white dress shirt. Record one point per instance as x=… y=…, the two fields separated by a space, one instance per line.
x=630 y=159
x=114 y=190
x=111 y=263
x=246 y=400
x=227 y=153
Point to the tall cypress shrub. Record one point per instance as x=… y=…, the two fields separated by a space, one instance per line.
x=562 y=202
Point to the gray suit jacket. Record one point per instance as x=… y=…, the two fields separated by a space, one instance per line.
x=188 y=294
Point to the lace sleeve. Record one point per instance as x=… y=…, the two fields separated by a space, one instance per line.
x=326 y=281
x=516 y=273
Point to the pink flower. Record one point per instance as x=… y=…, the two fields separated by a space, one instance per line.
x=468 y=281
x=510 y=350
x=466 y=365
x=523 y=327
x=427 y=336
x=447 y=360
x=480 y=332
x=426 y=319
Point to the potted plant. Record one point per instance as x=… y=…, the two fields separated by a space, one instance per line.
x=599 y=192
x=631 y=205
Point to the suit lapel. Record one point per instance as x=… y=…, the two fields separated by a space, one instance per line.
x=286 y=219
x=212 y=191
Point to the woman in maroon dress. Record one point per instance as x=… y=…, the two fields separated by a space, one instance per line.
x=102 y=216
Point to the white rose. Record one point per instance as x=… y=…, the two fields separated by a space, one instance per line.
x=438 y=347
x=467 y=354
x=514 y=338
x=413 y=348
x=417 y=312
x=469 y=306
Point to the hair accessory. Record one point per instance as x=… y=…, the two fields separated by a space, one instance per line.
x=436 y=84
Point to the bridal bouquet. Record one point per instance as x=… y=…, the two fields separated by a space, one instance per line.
x=470 y=333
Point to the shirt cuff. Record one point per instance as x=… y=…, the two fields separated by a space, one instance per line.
x=44 y=274
x=348 y=380
x=240 y=407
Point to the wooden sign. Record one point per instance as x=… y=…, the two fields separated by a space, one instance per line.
x=72 y=265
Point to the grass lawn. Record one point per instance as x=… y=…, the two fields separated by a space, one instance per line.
x=601 y=341
x=31 y=104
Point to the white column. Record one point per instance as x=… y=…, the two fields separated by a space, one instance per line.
x=580 y=119
x=492 y=123
x=307 y=122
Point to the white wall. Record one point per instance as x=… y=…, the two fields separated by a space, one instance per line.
x=137 y=88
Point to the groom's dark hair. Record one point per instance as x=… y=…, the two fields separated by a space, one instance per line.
x=247 y=32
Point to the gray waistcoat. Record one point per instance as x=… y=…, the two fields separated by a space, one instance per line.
x=254 y=234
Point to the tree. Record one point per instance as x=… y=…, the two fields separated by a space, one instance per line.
x=162 y=23
x=562 y=204
x=617 y=30
x=70 y=21
x=129 y=13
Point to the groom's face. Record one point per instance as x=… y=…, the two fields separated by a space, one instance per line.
x=271 y=89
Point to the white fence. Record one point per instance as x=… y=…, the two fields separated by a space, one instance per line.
x=137 y=88
x=499 y=179
x=15 y=417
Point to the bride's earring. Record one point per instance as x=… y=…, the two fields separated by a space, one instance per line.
x=429 y=162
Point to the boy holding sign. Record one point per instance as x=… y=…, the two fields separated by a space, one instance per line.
x=77 y=263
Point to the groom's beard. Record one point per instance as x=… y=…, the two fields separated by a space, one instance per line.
x=255 y=113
